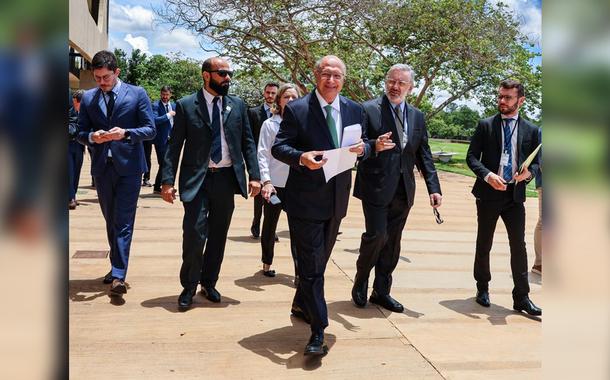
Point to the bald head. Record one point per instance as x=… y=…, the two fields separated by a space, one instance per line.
x=216 y=73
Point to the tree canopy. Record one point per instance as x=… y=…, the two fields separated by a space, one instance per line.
x=461 y=48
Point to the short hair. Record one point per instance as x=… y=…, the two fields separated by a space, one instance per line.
x=166 y=88
x=402 y=67
x=283 y=88
x=207 y=64
x=319 y=63
x=513 y=83
x=78 y=95
x=104 y=58
x=271 y=84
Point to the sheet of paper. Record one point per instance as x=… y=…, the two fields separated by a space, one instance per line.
x=530 y=158
x=339 y=160
x=351 y=135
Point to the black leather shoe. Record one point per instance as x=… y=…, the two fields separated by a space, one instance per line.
x=185 y=300
x=118 y=287
x=108 y=278
x=483 y=298
x=299 y=313
x=269 y=273
x=277 y=238
x=255 y=231
x=146 y=183
x=528 y=306
x=211 y=294
x=359 y=293
x=316 y=346
x=387 y=302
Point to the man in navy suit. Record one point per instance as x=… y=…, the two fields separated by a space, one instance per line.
x=311 y=125
x=497 y=150
x=386 y=185
x=114 y=119
x=75 y=150
x=164 y=112
x=213 y=128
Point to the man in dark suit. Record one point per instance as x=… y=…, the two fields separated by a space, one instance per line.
x=113 y=121
x=497 y=149
x=164 y=112
x=213 y=128
x=256 y=117
x=75 y=150
x=386 y=185
x=315 y=207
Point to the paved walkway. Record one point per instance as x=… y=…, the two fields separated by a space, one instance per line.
x=442 y=334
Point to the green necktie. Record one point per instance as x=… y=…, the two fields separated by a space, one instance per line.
x=330 y=122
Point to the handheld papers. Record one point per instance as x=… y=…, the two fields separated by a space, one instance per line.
x=529 y=159
x=351 y=135
x=339 y=160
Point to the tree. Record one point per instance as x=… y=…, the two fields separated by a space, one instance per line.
x=461 y=47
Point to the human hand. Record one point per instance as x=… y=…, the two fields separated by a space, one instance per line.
x=308 y=159
x=168 y=193
x=254 y=187
x=384 y=142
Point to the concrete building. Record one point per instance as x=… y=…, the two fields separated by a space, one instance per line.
x=88 y=34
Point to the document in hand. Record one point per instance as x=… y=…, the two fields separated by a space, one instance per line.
x=351 y=135
x=339 y=160
x=529 y=159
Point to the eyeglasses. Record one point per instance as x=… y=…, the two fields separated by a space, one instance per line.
x=401 y=83
x=508 y=98
x=437 y=216
x=105 y=78
x=328 y=76
x=222 y=73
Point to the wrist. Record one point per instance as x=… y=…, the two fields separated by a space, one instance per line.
x=268 y=182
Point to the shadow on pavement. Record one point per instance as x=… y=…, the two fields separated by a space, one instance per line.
x=258 y=280
x=496 y=314
x=284 y=346
x=170 y=303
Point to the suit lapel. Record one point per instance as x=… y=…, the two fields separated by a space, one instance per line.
x=119 y=99
x=319 y=119
x=201 y=109
x=496 y=127
x=161 y=109
x=262 y=114
x=387 y=118
x=227 y=107
x=410 y=123
x=520 y=130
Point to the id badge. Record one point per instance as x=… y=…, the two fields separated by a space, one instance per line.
x=504 y=159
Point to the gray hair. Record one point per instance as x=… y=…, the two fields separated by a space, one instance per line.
x=402 y=67
x=319 y=63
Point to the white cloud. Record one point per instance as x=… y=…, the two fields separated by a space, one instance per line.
x=125 y=18
x=138 y=42
x=176 y=40
x=529 y=15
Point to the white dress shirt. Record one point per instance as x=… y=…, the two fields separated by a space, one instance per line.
x=270 y=168
x=336 y=114
x=226 y=157
x=513 y=147
x=168 y=108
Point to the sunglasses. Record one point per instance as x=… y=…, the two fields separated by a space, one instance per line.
x=222 y=73
x=437 y=216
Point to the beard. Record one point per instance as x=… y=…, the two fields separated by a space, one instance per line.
x=507 y=110
x=220 y=88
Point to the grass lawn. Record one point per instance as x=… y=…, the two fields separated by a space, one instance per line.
x=458 y=162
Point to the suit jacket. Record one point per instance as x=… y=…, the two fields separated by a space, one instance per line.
x=486 y=148
x=133 y=112
x=193 y=129
x=378 y=177
x=256 y=117
x=162 y=122
x=304 y=129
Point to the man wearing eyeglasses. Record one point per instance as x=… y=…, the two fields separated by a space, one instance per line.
x=497 y=149
x=114 y=120
x=213 y=128
x=311 y=125
x=385 y=184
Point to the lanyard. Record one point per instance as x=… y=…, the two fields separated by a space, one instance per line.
x=510 y=137
x=404 y=115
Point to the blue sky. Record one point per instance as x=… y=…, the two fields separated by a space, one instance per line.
x=133 y=24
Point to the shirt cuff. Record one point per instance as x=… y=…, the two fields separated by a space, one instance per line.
x=487 y=177
x=90 y=139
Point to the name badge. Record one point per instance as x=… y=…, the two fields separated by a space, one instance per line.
x=504 y=159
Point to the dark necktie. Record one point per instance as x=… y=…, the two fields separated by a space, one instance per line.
x=330 y=122
x=166 y=108
x=216 y=151
x=508 y=169
x=400 y=125
x=110 y=106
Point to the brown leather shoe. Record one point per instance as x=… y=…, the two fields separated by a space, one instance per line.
x=118 y=287
x=72 y=205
